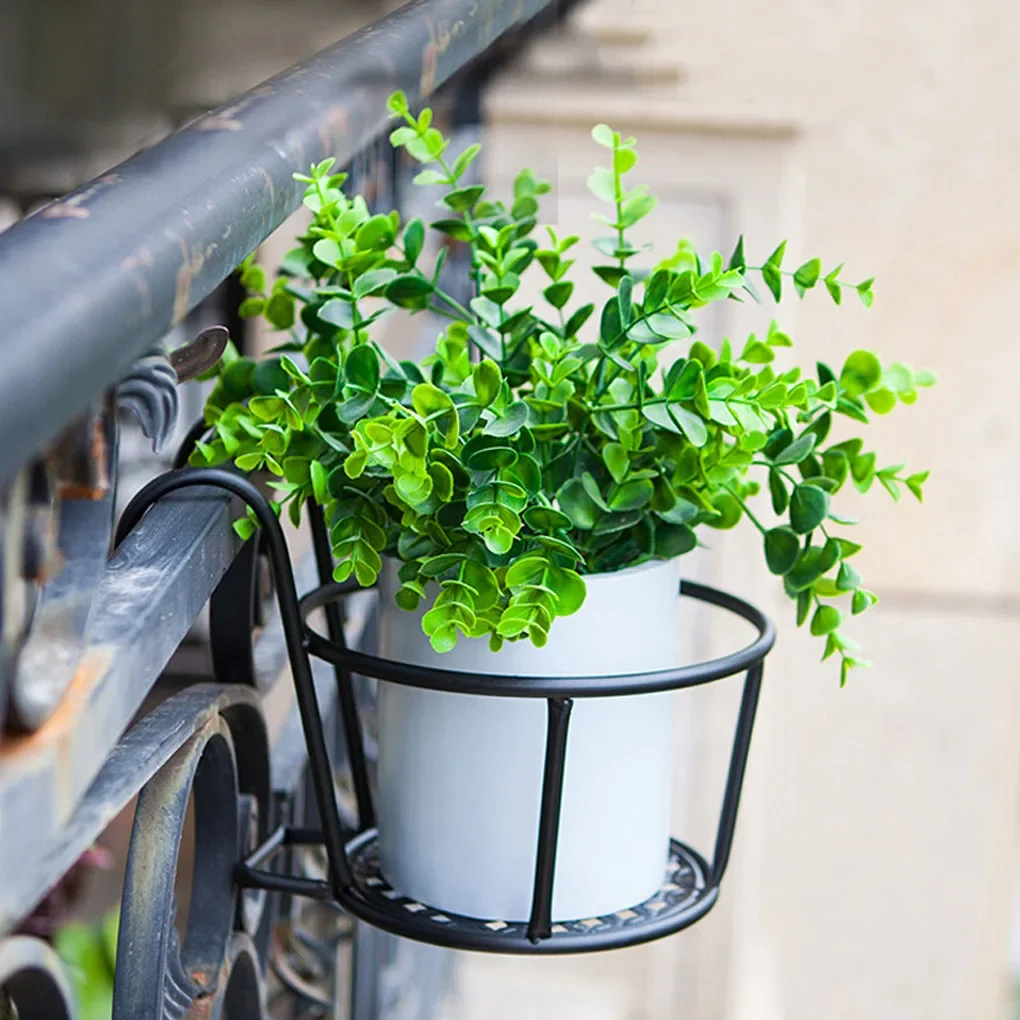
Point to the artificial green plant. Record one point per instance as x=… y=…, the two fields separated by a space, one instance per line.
x=542 y=442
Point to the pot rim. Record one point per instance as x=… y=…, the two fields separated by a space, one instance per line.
x=637 y=568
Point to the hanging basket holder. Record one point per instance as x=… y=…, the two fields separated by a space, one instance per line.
x=354 y=880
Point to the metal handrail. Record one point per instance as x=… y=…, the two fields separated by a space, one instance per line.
x=91 y=280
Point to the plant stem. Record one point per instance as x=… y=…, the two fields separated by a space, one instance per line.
x=747 y=510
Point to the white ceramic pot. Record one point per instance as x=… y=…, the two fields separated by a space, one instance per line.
x=460 y=776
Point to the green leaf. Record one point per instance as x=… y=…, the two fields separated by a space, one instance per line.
x=862 y=371
x=797 y=451
x=773 y=280
x=728 y=512
x=809 y=507
x=465 y=159
x=757 y=353
x=805 y=571
x=668 y=326
x=611 y=326
x=689 y=423
x=631 y=496
x=376 y=234
x=545 y=518
x=362 y=369
x=609 y=274
x=319 y=476
x=737 y=260
x=244 y=528
x=779 y=493
x=575 y=502
x=577 y=320
x=624 y=160
x=924 y=377
x=428 y=400
x=776 y=258
x=636 y=208
x=881 y=401
x=681 y=512
x=327 y=250
x=782 y=547
x=409 y=291
x=830 y=555
x=253 y=278
x=915 y=482
x=826 y=620
x=279 y=310
x=673 y=540
x=807 y=275
x=848 y=579
x=803 y=607
x=510 y=422
x=603 y=135
x=833 y=286
x=615 y=457
x=337 y=312
x=372 y=282
x=558 y=294
x=270 y=376
x=602 y=185
x=414 y=240
x=865 y=294
x=464 y=199
x=488 y=380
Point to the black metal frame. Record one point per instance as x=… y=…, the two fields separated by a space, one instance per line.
x=354 y=881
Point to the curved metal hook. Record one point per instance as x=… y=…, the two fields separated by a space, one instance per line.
x=334 y=834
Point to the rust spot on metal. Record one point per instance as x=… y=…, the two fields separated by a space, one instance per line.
x=73 y=207
x=62 y=211
x=55 y=733
x=429 y=62
x=81 y=459
x=333 y=128
x=220 y=123
x=189 y=269
x=444 y=37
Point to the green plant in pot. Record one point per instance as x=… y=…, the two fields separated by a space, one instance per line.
x=524 y=494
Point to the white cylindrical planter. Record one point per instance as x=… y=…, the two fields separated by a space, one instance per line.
x=460 y=776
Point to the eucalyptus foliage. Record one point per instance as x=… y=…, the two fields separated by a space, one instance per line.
x=541 y=443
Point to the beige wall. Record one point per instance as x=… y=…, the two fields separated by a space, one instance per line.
x=874 y=863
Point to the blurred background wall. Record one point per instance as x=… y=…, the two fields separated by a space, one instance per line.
x=874 y=865
x=873 y=875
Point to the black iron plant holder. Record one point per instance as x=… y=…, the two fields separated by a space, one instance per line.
x=691 y=883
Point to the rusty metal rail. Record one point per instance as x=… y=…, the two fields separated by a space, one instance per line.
x=91 y=280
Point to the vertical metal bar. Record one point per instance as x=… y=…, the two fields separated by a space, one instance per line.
x=334 y=836
x=345 y=688
x=540 y=925
x=232 y=608
x=738 y=765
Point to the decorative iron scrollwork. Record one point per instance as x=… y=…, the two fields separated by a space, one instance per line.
x=33 y=985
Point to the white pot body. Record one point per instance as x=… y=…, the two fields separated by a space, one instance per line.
x=460 y=776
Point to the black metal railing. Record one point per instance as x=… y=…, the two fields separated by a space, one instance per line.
x=91 y=280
